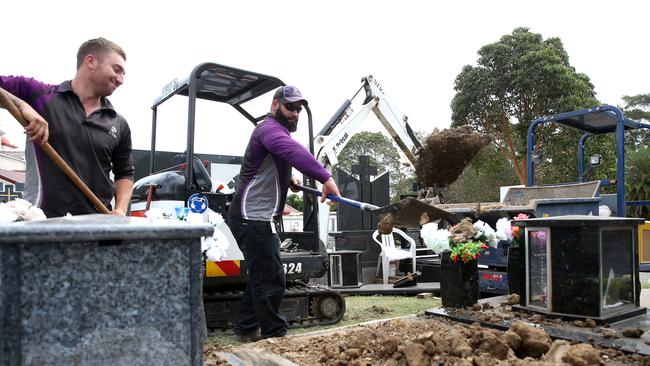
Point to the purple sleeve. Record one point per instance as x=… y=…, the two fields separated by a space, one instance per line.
x=22 y=87
x=278 y=142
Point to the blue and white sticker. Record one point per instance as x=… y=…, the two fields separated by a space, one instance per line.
x=197 y=203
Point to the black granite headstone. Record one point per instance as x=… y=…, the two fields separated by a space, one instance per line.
x=362 y=189
x=348 y=218
x=380 y=195
x=364 y=170
x=353 y=225
x=581 y=267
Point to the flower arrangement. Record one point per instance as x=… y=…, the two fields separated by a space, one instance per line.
x=19 y=210
x=467 y=251
x=465 y=240
x=506 y=231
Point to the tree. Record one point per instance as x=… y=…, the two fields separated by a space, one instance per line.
x=295 y=201
x=637 y=107
x=517 y=79
x=383 y=154
x=637 y=180
x=479 y=182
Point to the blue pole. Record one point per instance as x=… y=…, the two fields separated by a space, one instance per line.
x=530 y=138
x=581 y=156
x=621 y=204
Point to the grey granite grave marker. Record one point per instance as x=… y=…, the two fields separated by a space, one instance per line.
x=101 y=290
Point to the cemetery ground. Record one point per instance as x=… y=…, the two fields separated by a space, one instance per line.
x=393 y=330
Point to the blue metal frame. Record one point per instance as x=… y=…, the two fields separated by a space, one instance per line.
x=581 y=156
x=563 y=118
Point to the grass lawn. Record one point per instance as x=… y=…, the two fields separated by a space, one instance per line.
x=359 y=309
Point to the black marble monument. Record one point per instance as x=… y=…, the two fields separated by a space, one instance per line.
x=581 y=267
x=354 y=226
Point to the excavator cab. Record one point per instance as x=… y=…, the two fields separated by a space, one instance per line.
x=224 y=281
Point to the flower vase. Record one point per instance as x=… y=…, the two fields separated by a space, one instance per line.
x=458 y=282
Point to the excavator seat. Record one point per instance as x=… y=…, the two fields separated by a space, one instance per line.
x=201 y=176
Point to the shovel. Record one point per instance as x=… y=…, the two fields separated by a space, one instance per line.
x=408 y=212
x=5 y=100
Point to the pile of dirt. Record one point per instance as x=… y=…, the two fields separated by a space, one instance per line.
x=445 y=154
x=425 y=340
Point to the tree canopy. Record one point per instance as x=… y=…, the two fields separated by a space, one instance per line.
x=517 y=79
x=637 y=107
x=479 y=182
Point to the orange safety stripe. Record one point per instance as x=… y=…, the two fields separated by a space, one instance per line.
x=222 y=268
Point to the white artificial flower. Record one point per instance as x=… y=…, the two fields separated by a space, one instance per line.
x=34 y=214
x=19 y=204
x=214 y=218
x=428 y=231
x=479 y=226
x=435 y=239
x=484 y=229
x=504 y=230
x=214 y=254
x=7 y=214
x=205 y=243
x=212 y=249
x=491 y=236
x=20 y=210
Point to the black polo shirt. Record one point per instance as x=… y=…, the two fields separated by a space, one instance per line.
x=92 y=146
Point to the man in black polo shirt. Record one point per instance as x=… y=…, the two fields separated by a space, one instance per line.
x=83 y=128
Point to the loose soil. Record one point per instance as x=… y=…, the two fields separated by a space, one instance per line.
x=424 y=340
x=445 y=154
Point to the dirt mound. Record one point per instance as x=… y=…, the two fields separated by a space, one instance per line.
x=445 y=154
x=434 y=341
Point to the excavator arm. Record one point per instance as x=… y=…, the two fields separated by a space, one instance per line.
x=338 y=131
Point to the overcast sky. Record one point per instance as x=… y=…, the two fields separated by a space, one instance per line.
x=415 y=49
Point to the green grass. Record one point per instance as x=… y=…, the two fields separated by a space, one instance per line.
x=645 y=285
x=359 y=309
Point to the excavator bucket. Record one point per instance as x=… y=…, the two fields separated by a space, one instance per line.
x=409 y=212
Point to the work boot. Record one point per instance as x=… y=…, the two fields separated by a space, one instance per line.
x=281 y=333
x=249 y=337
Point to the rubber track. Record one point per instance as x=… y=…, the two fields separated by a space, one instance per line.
x=294 y=289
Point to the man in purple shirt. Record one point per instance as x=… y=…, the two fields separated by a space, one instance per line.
x=259 y=201
x=82 y=126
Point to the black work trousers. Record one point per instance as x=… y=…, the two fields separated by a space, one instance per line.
x=260 y=305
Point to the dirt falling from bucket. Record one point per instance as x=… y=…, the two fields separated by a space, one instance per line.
x=385 y=224
x=445 y=154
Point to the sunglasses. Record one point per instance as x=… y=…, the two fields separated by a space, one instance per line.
x=292 y=107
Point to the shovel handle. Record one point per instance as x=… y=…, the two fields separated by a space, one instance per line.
x=346 y=201
x=5 y=100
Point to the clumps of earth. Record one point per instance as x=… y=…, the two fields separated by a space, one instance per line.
x=385 y=224
x=463 y=232
x=445 y=154
x=423 y=340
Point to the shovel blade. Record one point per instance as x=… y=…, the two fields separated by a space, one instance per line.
x=408 y=212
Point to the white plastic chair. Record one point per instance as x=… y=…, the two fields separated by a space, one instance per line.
x=390 y=253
